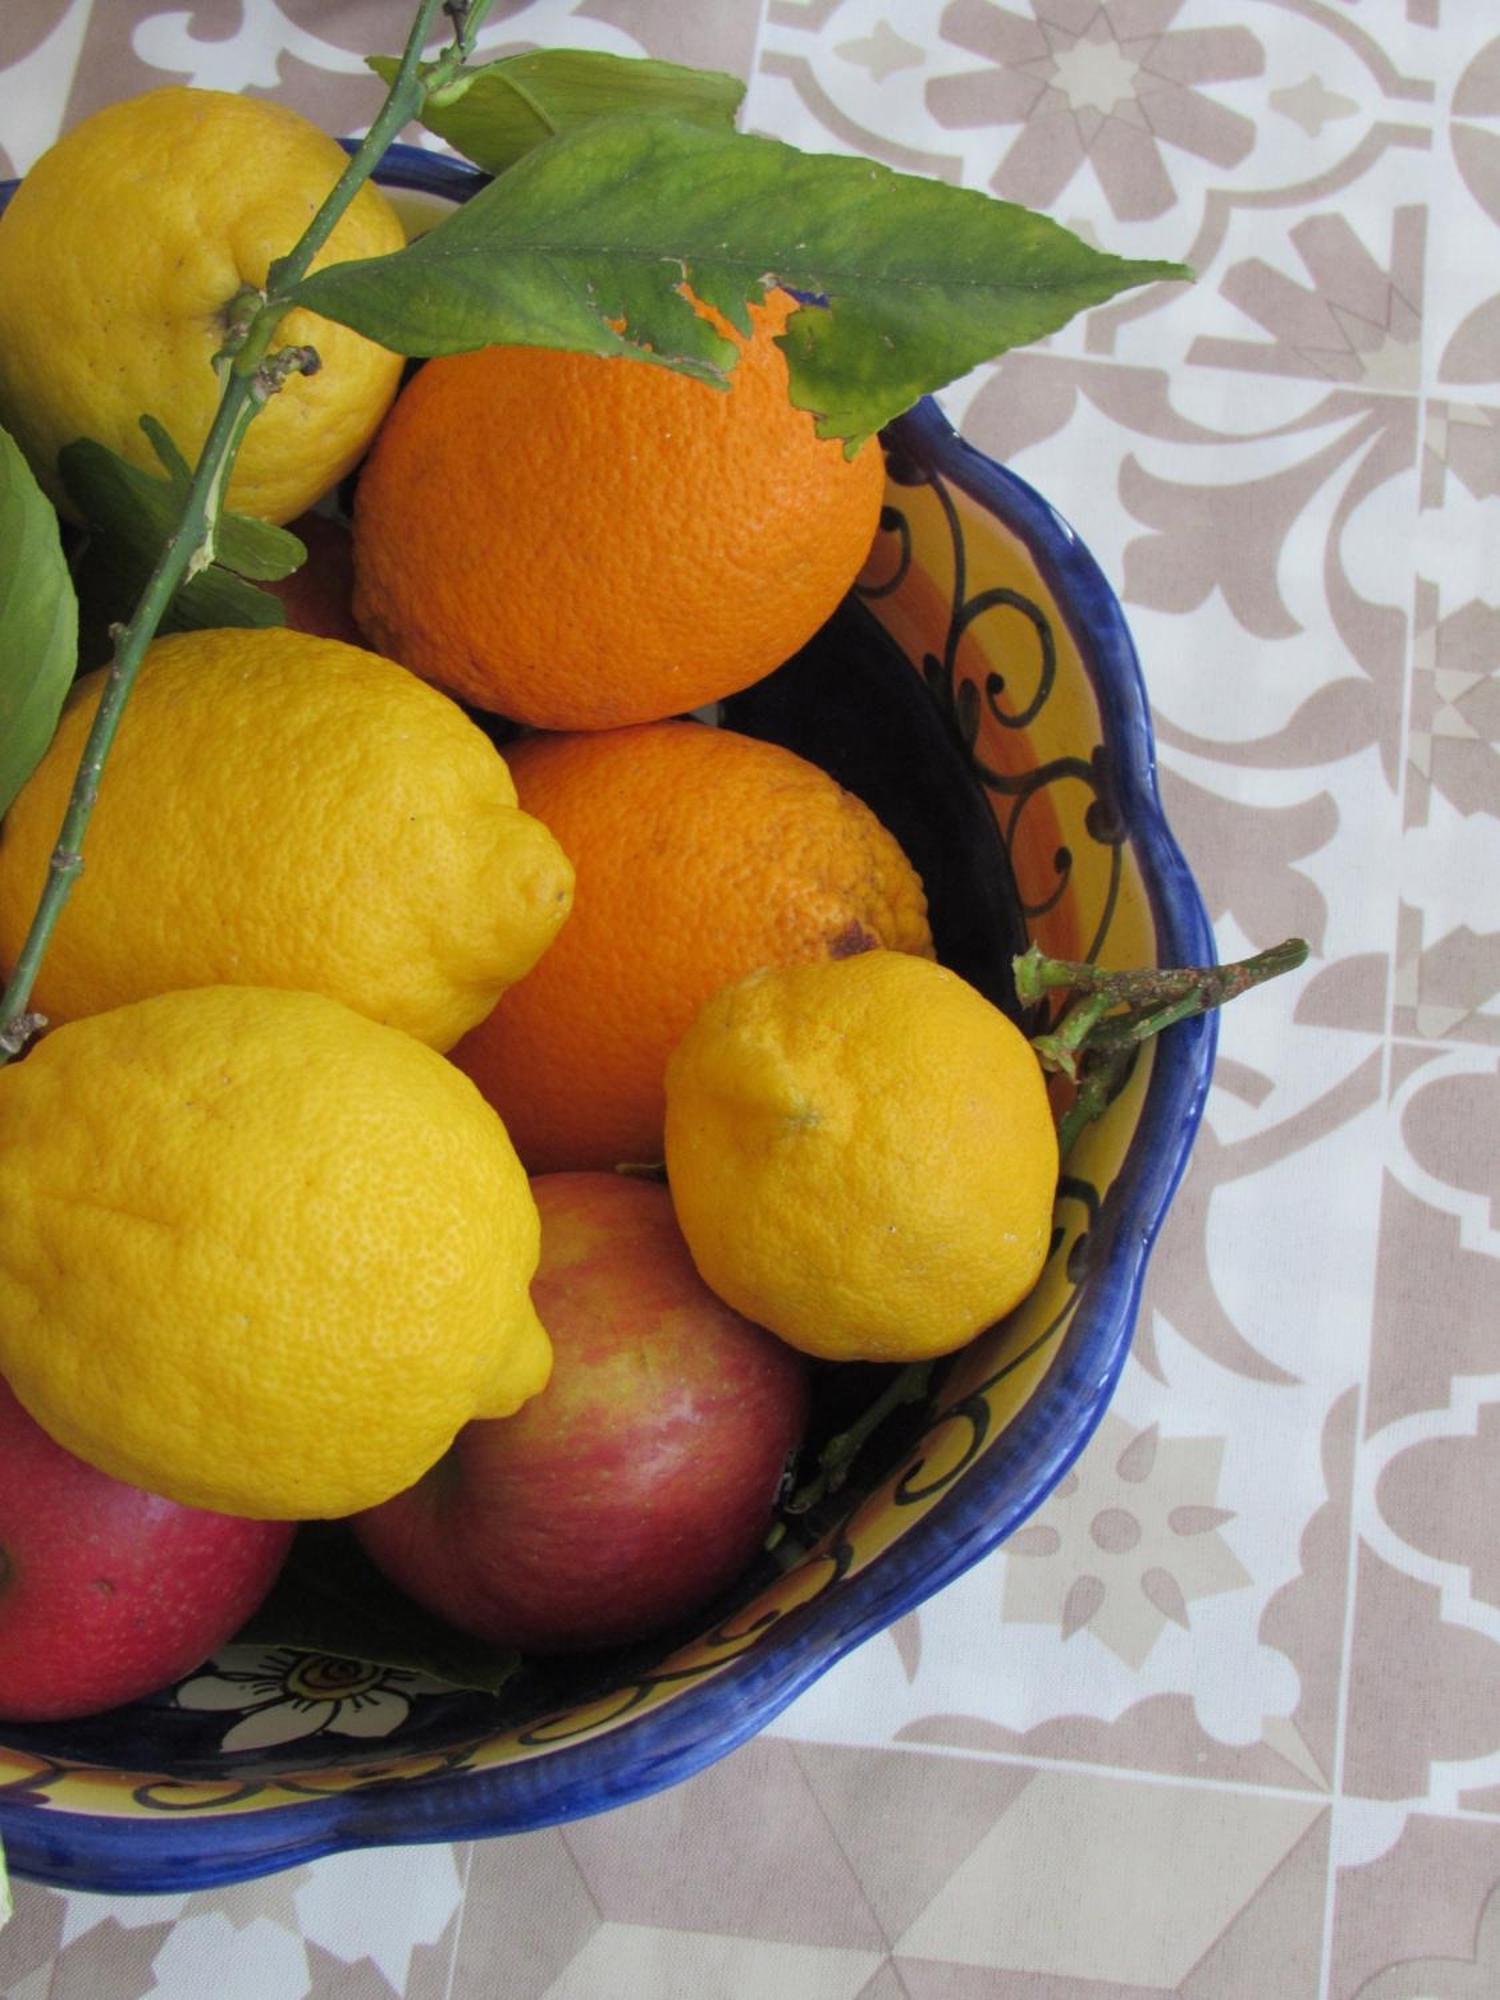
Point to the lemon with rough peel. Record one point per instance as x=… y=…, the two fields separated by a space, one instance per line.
x=862 y=1155
x=284 y=810
x=258 y=1253
x=120 y=252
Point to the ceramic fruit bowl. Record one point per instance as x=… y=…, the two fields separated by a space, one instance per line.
x=980 y=690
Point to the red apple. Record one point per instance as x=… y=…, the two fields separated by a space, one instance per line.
x=108 y=1593
x=641 y=1481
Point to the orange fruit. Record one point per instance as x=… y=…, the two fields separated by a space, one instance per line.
x=699 y=856
x=580 y=542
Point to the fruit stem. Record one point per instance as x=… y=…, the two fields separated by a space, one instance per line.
x=835 y=1460
x=1209 y=985
x=247 y=378
x=1096 y=1037
x=236 y=408
x=409 y=88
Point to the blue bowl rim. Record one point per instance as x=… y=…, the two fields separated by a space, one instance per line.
x=665 y=1746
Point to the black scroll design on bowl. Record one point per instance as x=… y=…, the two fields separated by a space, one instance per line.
x=892 y=522
x=974 y=1409
x=737 y=1633
x=195 y=1795
x=30 y=1788
x=414 y=1767
x=966 y=704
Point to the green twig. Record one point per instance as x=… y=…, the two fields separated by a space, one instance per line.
x=193 y=535
x=1120 y=1011
x=250 y=373
x=1206 y=985
x=1060 y=1050
x=1097 y=1089
x=908 y=1385
x=410 y=85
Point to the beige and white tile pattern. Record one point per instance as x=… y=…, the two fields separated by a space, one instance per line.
x=1224 y=1721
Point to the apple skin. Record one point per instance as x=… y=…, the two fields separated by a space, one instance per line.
x=108 y=1593
x=641 y=1480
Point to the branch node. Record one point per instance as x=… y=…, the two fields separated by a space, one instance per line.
x=238 y=316
x=17 y=1033
x=279 y=367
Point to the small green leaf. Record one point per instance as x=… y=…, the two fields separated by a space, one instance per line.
x=143 y=509
x=257 y=549
x=131 y=513
x=601 y=226
x=162 y=443
x=38 y=622
x=499 y=111
x=110 y=578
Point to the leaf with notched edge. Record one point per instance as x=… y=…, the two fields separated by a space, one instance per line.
x=589 y=241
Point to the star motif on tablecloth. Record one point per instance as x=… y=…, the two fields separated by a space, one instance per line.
x=1127 y=1543
x=1108 y=85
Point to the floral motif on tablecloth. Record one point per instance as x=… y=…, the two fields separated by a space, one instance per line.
x=1357 y=318
x=1472 y=351
x=1112 y=86
x=1439 y=1885
x=1128 y=1541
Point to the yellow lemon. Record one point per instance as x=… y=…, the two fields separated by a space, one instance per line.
x=283 y=810
x=862 y=1155
x=118 y=256
x=258 y=1253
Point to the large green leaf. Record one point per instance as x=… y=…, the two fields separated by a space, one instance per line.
x=496 y=113
x=586 y=243
x=38 y=621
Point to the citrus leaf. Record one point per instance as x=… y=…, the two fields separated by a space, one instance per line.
x=111 y=576
x=38 y=621
x=142 y=509
x=130 y=514
x=586 y=243
x=257 y=549
x=173 y=464
x=496 y=113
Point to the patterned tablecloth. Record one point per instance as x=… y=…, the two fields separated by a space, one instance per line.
x=1224 y=1718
